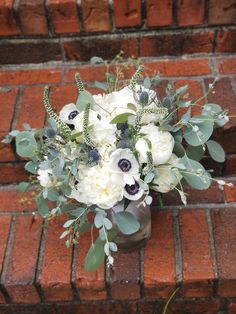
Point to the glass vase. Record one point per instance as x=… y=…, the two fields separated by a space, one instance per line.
x=138 y=239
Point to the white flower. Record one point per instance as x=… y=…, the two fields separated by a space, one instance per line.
x=78 y=121
x=45 y=177
x=99 y=186
x=124 y=162
x=162 y=144
x=133 y=192
x=68 y=113
x=168 y=176
x=104 y=133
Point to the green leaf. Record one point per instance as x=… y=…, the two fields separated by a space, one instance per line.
x=195 y=152
x=131 y=106
x=98 y=220
x=95 y=256
x=78 y=212
x=147 y=82
x=84 y=99
x=198 y=134
x=182 y=89
x=68 y=223
x=42 y=205
x=126 y=222
x=53 y=195
x=31 y=167
x=23 y=186
x=216 y=151
x=96 y=60
x=149 y=177
x=121 y=118
x=107 y=223
x=195 y=174
x=179 y=149
x=187 y=116
x=26 y=145
x=101 y=85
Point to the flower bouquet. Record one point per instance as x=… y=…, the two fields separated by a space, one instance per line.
x=99 y=159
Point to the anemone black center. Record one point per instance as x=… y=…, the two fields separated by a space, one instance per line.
x=73 y=114
x=132 y=189
x=124 y=165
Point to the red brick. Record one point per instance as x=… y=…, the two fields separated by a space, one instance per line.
x=194 y=306
x=232 y=307
x=95 y=15
x=176 y=44
x=7 y=20
x=91 y=286
x=28 y=77
x=230 y=192
x=224 y=227
x=19 y=279
x=221 y=12
x=104 y=308
x=33 y=17
x=85 y=49
x=13 y=200
x=224 y=137
x=159 y=13
x=5 y=222
x=32 y=109
x=62 y=95
x=56 y=270
x=190 y=12
x=125 y=276
x=2 y=299
x=226 y=41
x=87 y=73
x=7 y=152
x=197 y=261
x=64 y=16
x=159 y=257
x=227 y=65
x=12 y=173
x=230 y=166
x=178 y=67
x=224 y=96
x=8 y=101
x=127 y=13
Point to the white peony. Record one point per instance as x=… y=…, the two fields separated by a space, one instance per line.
x=45 y=177
x=168 y=176
x=98 y=185
x=162 y=144
x=78 y=121
x=124 y=162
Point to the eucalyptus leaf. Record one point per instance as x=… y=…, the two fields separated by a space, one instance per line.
x=198 y=134
x=95 y=256
x=68 y=223
x=195 y=152
x=126 y=222
x=84 y=99
x=147 y=82
x=98 y=220
x=23 y=186
x=26 y=145
x=31 y=167
x=101 y=85
x=42 y=205
x=121 y=118
x=96 y=60
x=216 y=151
x=107 y=223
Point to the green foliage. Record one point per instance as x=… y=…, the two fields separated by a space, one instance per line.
x=126 y=222
x=84 y=99
x=216 y=151
x=197 y=133
x=121 y=118
x=23 y=186
x=95 y=256
x=26 y=144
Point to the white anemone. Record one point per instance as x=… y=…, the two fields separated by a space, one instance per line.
x=68 y=113
x=133 y=192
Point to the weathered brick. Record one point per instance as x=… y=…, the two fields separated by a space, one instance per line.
x=125 y=276
x=159 y=13
x=28 y=77
x=7 y=20
x=176 y=44
x=32 y=110
x=197 y=261
x=221 y=12
x=127 y=13
x=230 y=165
x=232 y=307
x=194 y=306
x=226 y=41
x=2 y=299
x=64 y=16
x=5 y=222
x=12 y=173
x=40 y=308
x=18 y=202
x=224 y=227
x=91 y=286
x=224 y=96
x=227 y=65
x=29 y=52
x=178 y=67
x=8 y=101
x=33 y=17
x=87 y=73
x=19 y=279
x=62 y=95
x=190 y=12
x=98 y=308
x=159 y=257
x=95 y=15
x=230 y=192
x=85 y=49
x=55 y=276
x=7 y=152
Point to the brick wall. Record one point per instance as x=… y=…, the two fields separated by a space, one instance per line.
x=68 y=30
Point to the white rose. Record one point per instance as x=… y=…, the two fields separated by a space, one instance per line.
x=45 y=177
x=168 y=176
x=98 y=185
x=162 y=144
